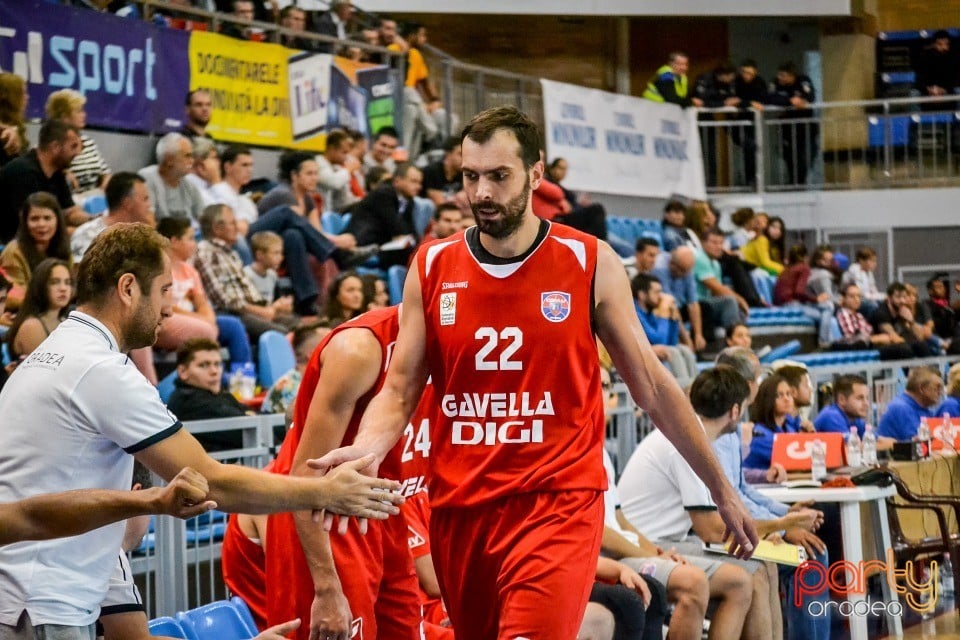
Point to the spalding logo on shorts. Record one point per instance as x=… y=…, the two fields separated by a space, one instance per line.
x=555 y=305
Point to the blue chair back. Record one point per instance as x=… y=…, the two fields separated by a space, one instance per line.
x=396 y=275
x=333 y=222
x=170 y=628
x=276 y=357
x=217 y=621
x=166 y=386
x=243 y=610
x=835 y=332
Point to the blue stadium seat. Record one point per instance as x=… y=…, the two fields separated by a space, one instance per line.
x=396 y=275
x=841 y=260
x=166 y=386
x=276 y=357
x=779 y=352
x=835 y=332
x=243 y=610
x=217 y=621
x=333 y=222
x=169 y=628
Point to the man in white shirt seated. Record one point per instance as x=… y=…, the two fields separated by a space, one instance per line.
x=237 y=167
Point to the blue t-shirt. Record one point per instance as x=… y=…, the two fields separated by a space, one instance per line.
x=833 y=420
x=902 y=418
x=761 y=446
x=659 y=330
x=950 y=406
x=727 y=450
x=684 y=289
x=673 y=237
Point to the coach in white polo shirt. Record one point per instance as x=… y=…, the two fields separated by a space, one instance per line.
x=75 y=411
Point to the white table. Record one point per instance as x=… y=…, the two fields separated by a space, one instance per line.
x=852 y=529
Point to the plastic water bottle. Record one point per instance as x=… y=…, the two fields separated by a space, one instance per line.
x=853 y=448
x=868 y=449
x=923 y=438
x=248 y=382
x=818 y=461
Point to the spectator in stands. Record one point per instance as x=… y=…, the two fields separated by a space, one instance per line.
x=242 y=10
x=857 y=333
x=774 y=411
x=944 y=317
x=41 y=234
x=723 y=305
x=375 y=294
x=387 y=213
x=922 y=319
x=579 y=212
x=766 y=250
x=267 y=257
x=922 y=397
x=861 y=274
x=673 y=232
x=675 y=272
x=7 y=369
x=229 y=289
x=700 y=218
x=670 y=84
x=280 y=397
x=742 y=220
x=205 y=173
x=198 y=108
x=798 y=378
x=344 y=298
x=41 y=169
x=170 y=193
x=447 y=220
x=752 y=91
x=333 y=23
x=376 y=177
x=850 y=408
x=385 y=142
x=663 y=333
x=659 y=492
x=128 y=200
x=798 y=140
x=791 y=286
x=443 y=179
x=88 y=170
x=236 y=164
x=424 y=119
x=896 y=319
x=298 y=176
x=738 y=335
x=645 y=255
x=294 y=18
x=358 y=185
x=937 y=72
x=715 y=90
x=335 y=168
x=951 y=404
x=820 y=287
x=13 y=109
x=44 y=307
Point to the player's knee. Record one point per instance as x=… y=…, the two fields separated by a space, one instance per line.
x=598 y=623
x=689 y=587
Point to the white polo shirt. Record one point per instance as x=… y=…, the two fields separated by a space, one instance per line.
x=72 y=414
x=657 y=489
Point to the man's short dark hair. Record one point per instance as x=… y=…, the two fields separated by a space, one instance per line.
x=403 y=168
x=643 y=242
x=793 y=374
x=336 y=137
x=303 y=333
x=120 y=188
x=749 y=63
x=451 y=143
x=642 y=282
x=173 y=227
x=445 y=206
x=386 y=131
x=713 y=231
x=485 y=124
x=190 y=94
x=724 y=68
x=234 y=151
x=674 y=205
x=942 y=276
x=410 y=28
x=941 y=34
x=122 y=248
x=209 y=217
x=54 y=131
x=716 y=391
x=375 y=176
x=191 y=347
x=845 y=287
x=788 y=67
x=141 y=475
x=896 y=287
x=843 y=385
x=290 y=8
x=290 y=162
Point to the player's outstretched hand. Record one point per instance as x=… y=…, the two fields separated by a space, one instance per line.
x=353 y=492
x=185 y=496
x=280 y=631
x=339 y=456
x=740 y=530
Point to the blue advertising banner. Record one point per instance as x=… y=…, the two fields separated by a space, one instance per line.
x=133 y=74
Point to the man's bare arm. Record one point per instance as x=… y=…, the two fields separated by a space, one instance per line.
x=657 y=391
x=71 y=513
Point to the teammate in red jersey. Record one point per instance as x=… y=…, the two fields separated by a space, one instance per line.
x=376 y=594
x=503 y=316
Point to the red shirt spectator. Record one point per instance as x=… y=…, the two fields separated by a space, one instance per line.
x=549 y=201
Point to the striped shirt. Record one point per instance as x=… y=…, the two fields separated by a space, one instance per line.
x=221 y=270
x=89 y=166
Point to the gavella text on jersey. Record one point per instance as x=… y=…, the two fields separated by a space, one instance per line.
x=497 y=405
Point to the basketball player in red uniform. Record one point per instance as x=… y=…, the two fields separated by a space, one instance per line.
x=376 y=594
x=504 y=317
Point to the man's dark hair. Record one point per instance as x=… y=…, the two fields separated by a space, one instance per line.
x=120 y=188
x=122 y=248
x=943 y=276
x=675 y=205
x=712 y=231
x=445 y=206
x=336 y=137
x=141 y=475
x=788 y=67
x=290 y=162
x=749 y=62
x=209 y=217
x=941 y=34
x=173 y=227
x=486 y=123
x=451 y=143
x=642 y=282
x=843 y=385
x=190 y=94
x=793 y=374
x=865 y=253
x=386 y=131
x=716 y=391
x=54 y=131
x=303 y=333
x=724 y=68
x=896 y=287
x=290 y=8
x=375 y=176
x=403 y=168
x=410 y=28
x=643 y=242
x=234 y=151
x=845 y=287
x=190 y=348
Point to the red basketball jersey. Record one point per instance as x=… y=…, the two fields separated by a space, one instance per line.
x=513 y=357
x=414 y=445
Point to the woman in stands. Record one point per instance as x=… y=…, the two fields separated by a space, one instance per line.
x=13 y=108
x=344 y=298
x=742 y=233
x=738 y=335
x=41 y=234
x=766 y=249
x=375 y=295
x=699 y=218
x=44 y=307
x=553 y=201
x=802 y=388
x=951 y=405
x=772 y=413
x=88 y=170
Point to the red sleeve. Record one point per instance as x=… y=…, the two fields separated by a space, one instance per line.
x=800 y=287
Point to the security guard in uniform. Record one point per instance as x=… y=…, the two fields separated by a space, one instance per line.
x=670 y=84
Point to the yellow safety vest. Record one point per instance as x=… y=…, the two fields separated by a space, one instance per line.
x=680 y=82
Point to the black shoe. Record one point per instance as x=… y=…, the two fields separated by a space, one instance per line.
x=308 y=308
x=347 y=258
